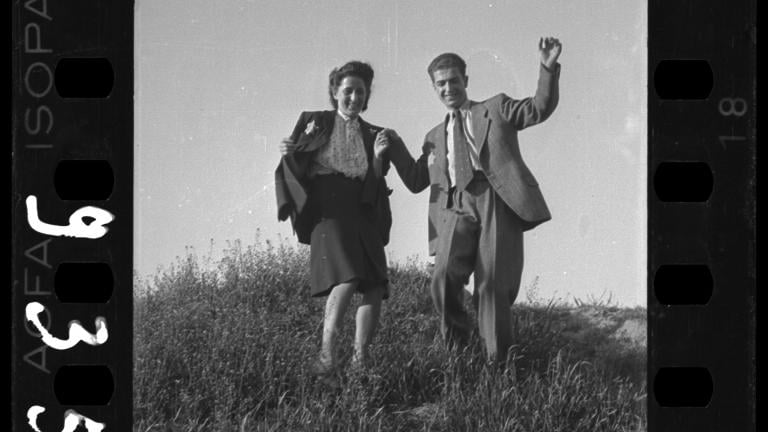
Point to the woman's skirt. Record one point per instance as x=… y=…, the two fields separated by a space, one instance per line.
x=345 y=244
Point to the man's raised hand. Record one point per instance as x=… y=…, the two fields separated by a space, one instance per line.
x=549 y=49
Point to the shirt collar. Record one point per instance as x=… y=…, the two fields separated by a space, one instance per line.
x=345 y=117
x=464 y=108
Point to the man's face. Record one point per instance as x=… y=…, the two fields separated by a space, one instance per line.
x=450 y=86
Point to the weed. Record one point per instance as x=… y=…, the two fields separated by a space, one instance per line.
x=226 y=346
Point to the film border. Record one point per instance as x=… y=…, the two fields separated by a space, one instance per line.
x=701 y=214
x=48 y=129
x=72 y=205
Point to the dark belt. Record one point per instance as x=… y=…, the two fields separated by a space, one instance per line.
x=479 y=175
x=337 y=175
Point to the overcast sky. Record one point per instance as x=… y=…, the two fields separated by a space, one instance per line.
x=218 y=84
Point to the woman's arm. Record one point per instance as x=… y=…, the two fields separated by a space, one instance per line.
x=413 y=173
x=378 y=166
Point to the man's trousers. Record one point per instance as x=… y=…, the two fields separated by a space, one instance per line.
x=478 y=233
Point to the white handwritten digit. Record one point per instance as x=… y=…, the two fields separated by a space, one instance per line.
x=732 y=106
x=71 y=420
x=76 y=332
x=76 y=227
x=724 y=139
x=32 y=413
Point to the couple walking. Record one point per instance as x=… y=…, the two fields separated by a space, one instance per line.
x=331 y=184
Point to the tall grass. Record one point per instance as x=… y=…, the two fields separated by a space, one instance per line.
x=227 y=348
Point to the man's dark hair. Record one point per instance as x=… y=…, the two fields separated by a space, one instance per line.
x=358 y=69
x=447 y=61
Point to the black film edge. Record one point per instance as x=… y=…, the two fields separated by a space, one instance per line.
x=72 y=215
x=701 y=216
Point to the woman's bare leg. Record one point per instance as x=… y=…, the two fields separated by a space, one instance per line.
x=367 y=320
x=335 y=307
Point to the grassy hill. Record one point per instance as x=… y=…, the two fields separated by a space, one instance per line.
x=228 y=349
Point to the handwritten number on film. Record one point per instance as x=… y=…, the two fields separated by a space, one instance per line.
x=732 y=107
x=72 y=419
x=78 y=227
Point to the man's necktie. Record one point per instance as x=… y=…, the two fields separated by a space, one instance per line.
x=462 y=164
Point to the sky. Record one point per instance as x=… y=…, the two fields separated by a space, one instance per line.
x=219 y=84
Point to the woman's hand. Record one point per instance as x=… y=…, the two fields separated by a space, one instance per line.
x=382 y=142
x=287 y=146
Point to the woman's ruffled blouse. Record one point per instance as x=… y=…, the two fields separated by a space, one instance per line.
x=344 y=152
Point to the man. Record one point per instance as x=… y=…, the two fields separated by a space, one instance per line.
x=483 y=197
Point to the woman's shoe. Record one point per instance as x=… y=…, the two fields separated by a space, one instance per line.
x=325 y=373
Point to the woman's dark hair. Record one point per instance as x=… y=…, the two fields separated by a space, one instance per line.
x=358 y=69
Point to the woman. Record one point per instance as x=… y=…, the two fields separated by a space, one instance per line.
x=330 y=182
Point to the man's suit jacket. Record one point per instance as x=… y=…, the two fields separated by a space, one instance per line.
x=292 y=183
x=495 y=123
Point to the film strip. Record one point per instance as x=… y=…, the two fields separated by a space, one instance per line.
x=72 y=254
x=72 y=215
x=701 y=199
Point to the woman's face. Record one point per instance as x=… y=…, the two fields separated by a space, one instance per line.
x=351 y=96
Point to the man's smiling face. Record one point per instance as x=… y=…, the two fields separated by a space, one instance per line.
x=450 y=86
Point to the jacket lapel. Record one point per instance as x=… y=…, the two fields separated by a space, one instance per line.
x=370 y=194
x=369 y=135
x=319 y=137
x=480 y=123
